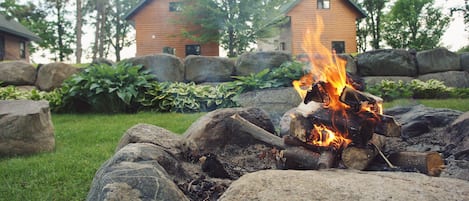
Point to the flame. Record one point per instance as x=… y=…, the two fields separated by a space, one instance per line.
x=326 y=67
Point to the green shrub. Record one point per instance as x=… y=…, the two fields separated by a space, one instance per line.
x=460 y=93
x=430 y=89
x=390 y=90
x=13 y=93
x=106 y=89
x=186 y=97
x=282 y=76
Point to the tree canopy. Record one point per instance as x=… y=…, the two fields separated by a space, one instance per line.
x=235 y=24
x=414 y=24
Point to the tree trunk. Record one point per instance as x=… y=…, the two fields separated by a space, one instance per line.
x=118 y=46
x=430 y=163
x=60 y=31
x=79 y=23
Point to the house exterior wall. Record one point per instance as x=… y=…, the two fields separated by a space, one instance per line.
x=155 y=30
x=339 y=24
x=12 y=47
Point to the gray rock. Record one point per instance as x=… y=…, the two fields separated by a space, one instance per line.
x=437 y=60
x=215 y=130
x=51 y=76
x=254 y=62
x=285 y=121
x=464 y=61
x=344 y=184
x=389 y=62
x=145 y=133
x=26 y=127
x=135 y=172
x=165 y=67
x=17 y=73
x=201 y=69
x=274 y=101
x=373 y=80
x=458 y=79
x=459 y=137
x=105 y=61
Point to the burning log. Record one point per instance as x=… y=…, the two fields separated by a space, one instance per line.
x=300 y=158
x=257 y=132
x=430 y=163
x=360 y=157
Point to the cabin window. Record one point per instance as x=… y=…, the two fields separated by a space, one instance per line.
x=282 y=46
x=22 y=50
x=175 y=6
x=338 y=46
x=324 y=4
x=193 y=50
x=169 y=50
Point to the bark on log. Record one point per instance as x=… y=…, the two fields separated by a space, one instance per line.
x=300 y=158
x=360 y=157
x=257 y=132
x=430 y=163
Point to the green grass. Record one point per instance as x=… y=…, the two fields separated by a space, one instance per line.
x=452 y=103
x=83 y=143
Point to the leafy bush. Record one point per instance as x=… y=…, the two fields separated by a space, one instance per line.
x=430 y=89
x=186 y=97
x=13 y=93
x=390 y=90
x=105 y=88
x=278 y=77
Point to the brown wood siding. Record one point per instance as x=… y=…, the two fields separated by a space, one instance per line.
x=339 y=24
x=12 y=47
x=154 y=19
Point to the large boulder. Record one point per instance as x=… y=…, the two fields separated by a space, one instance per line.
x=458 y=79
x=387 y=62
x=465 y=61
x=254 y=62
x=350 y=64
x=135 y=173
x=165 y=67
x=17 y=73
x=214 y=130
x=201 y=69
x=51 y=76
x=26 y=127
x=274 y=101
x=374 y=80
x=437 y=60
x=344 y=185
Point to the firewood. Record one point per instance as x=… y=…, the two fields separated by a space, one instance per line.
x=326 y=159
x=357 y=99
x=257 y=132
x=289 y=140
x=360 y=157
x=430 y=163
x=300 y=158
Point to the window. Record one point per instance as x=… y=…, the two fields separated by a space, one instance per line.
x=193 y=50
x=338 y=47
x=282 y=46
x=22 y=50
x=175 y=6
x=169 y=50
x=2 y=48
x=324 y=4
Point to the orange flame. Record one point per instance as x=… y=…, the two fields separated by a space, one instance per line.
x=326 y=67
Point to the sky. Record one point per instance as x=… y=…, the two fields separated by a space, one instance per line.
x=454 y=38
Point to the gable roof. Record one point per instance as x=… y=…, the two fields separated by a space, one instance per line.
x=135 y=9
x=15 y=28
x=289 y=6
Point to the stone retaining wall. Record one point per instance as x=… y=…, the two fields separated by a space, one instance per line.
x=374 y=66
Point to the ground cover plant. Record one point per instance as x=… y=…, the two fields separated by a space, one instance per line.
x=83 y=143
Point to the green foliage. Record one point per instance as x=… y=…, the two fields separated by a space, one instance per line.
x=390 y=90
x=282 y=76
x=186 y=97
x=414 y=24
x=13 y=93
x=104 y=88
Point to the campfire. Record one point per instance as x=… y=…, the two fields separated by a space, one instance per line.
x=338 y=125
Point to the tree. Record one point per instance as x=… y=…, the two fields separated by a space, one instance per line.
x=62 y=28
x=118 y=26
x=78 y=30
x=414 y=24
x=464 y=10
x=372 y=24
x=235 y=24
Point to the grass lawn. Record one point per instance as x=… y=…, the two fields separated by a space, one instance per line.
x=83 y=143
